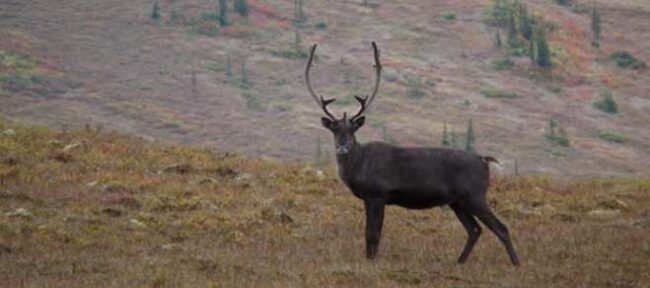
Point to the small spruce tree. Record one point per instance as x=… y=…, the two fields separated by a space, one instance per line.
x=155 y=12
x=228 y=67
x=445 y=136
x=543 y=52
x=525 y=26
x=498 y=39
x=244 y=74
x=595 y=27
x=512 y=31
x=470 y=139
x=241 y=7
x=223 y=13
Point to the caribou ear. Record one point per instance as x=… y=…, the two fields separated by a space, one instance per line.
x=327 y=122
x=357 y=123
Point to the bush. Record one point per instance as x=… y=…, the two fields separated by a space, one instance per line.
x=449 y=16
x=558 y=137
x=414 y=87
x=502 y=64
x=625 y=60
x=563 y=2
x=321 y=25
x=492 y=92
x=253 y=102
x=606 y=103
x=293 y=53
x=611 y=137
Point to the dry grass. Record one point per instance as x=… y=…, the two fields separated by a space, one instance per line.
x=118 y=212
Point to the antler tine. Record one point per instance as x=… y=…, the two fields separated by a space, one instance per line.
x=322 y=102
x=362 y=101
x=365 y=102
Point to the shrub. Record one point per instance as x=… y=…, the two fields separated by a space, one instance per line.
x=414 y=87
x=449 y=16
x=606 y=103
x=611 y=137
x=492 y=92
x=625 y=60
x=241 y=7
x=563 y=2
x=557 y=134
x=292 y=53
x=155 y=12
x=321 y=25
x=502 y=64
x=253 y=102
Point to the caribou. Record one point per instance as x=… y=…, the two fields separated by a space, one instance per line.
x=381 y=174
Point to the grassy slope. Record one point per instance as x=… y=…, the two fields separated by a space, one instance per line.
x=112 y=66
x=115 y=211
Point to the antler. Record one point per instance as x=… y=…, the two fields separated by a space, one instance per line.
x=366 y=101
x=322 y=102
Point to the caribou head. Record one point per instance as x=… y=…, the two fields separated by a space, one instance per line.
x=344 y=128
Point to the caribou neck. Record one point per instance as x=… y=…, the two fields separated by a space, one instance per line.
x=350 y=162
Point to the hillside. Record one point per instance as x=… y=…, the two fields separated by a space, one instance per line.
x=72 y=63
x=89 y=209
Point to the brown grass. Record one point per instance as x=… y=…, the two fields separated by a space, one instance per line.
x=119 y=212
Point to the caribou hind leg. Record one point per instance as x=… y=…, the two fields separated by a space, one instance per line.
x=472 y=227
x=483 y=213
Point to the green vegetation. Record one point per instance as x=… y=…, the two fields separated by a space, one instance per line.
x=611 y=137
x=241 y=7
x=449 y=16
x=223 y=13
x=497 y=39
x=322 y=25
x=155 y=11
x=625 y=59
x=253 y=102
x=502 y=64
x=446 y=141
x=298 y=13
x=563 y=2
x=493 y=92
x=228 y=68
x=414 y=87
x=606 y=102
x=543 y=53
x=595 y=27
x=245 y=82
x=557 y=134
x=107 y=199
x=387 y=137
x=470 y=139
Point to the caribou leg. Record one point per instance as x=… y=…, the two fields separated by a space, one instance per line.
x=472 y=227
x=374 y=223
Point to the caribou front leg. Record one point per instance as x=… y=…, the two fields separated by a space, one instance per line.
x=374 y=223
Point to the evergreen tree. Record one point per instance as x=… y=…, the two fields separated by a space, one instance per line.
x=531 y=49
x=551 y=128
x=223 y=13
x=498 y=39
x=155 y=13
x=470 y=139
x=445 y=136
x=453 y=139
x=512 y=31
x=298 y=14
x=525 y=26
x=595 y=27
x=297 y=40
x=244 y=74
x=228 y=67
x=319 y=150
x=241 y=6
x=543 y=52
